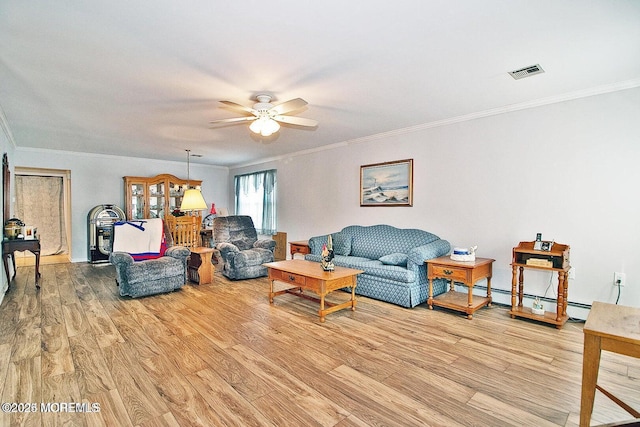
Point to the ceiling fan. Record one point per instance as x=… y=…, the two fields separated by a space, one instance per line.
x=265 y=115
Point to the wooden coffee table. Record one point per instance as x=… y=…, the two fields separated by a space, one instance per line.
x=308 y=275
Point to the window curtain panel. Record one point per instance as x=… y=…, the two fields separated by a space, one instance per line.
x=256 y=197
x=39 y=202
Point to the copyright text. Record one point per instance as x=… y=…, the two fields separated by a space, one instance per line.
x=51 y=407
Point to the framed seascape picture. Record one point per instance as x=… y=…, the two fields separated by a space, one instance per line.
x=387 y=184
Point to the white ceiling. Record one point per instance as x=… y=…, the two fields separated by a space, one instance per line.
x=143 y=78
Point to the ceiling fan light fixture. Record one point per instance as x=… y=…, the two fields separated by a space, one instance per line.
x=265 y=115
x=265 y=126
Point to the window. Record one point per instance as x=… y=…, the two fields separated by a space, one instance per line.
x=256 y=197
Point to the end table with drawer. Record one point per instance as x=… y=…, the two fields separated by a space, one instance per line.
x=299 y=247
x=463 y=272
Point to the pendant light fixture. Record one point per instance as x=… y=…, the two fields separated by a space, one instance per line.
x=192 y=199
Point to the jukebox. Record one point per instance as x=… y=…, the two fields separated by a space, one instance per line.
x=100 y=222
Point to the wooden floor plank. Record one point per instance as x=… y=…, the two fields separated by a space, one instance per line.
x=220 y=354
x=56 y=353
x=91 y=369
x=140 y=392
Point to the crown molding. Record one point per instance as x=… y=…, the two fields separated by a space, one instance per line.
x=599 y=90
x=114 y=156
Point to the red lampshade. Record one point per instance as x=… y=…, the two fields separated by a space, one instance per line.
x=213 y=209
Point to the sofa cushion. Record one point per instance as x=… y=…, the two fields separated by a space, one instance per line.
x=395 y=259
x=341 y=244
x=251 y=257
x=376 y=241
x=390 y=272
x=354 y=261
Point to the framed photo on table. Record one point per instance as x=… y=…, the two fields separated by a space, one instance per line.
x=387 y=184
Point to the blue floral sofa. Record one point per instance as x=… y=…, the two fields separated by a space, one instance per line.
x=393 y=261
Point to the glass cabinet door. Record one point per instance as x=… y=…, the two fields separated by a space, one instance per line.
x=176 y=191
x=137 y=201
x=156 y=199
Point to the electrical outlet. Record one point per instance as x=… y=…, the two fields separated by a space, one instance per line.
x=572 y=273
x=619 y=279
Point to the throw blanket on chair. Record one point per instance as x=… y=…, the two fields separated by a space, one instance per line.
x=142 y=239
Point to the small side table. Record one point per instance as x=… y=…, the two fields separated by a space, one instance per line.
x=8 y=249
x=200 y=268
x=465 y=272
x=300 y=247
x=612 y=328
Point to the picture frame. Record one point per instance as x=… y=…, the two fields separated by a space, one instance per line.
x=387 y=184
x=29 y=232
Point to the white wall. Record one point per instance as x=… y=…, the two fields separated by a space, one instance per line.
x=97 y=179
x=567 y=170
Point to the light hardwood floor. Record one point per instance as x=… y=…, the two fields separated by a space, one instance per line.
x=219 y=354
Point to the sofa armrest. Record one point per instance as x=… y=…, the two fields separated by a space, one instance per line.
x=431 y=250
x=316 y=243
x=178 y=252
x=120 y=258
x=265 y=244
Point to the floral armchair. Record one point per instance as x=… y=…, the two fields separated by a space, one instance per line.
x=241 y=251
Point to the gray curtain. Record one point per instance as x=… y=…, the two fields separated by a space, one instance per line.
x=264 y=183
x=40 y=203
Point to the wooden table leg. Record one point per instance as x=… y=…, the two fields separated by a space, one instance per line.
x=489 y=291
x=560 y=299
x=430 y=301
x=520 y=286
x=514 y=280
x=565 y=293
x=590 y=366
x=469 y=302
x=271 y=291
x=353 y=294
x=37 y=254
x=321 y=312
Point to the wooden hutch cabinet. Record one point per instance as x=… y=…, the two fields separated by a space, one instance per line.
x=153 y=197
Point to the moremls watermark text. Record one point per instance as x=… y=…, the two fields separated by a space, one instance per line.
x=82 y=407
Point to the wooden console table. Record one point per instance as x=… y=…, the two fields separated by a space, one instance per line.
x=612 y=328
x=11 y=246
x=557 y=259
x=465 y=272
x=300 y=247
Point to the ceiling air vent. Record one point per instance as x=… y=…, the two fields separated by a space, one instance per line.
x=526 y=72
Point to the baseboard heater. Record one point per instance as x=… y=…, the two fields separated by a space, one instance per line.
x=546 y=299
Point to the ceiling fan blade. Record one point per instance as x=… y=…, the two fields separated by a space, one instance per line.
x=291 y=105
x=300 y=121
x=235 y=119
x=240 y=107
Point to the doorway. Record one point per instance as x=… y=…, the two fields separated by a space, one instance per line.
x=43 y=200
